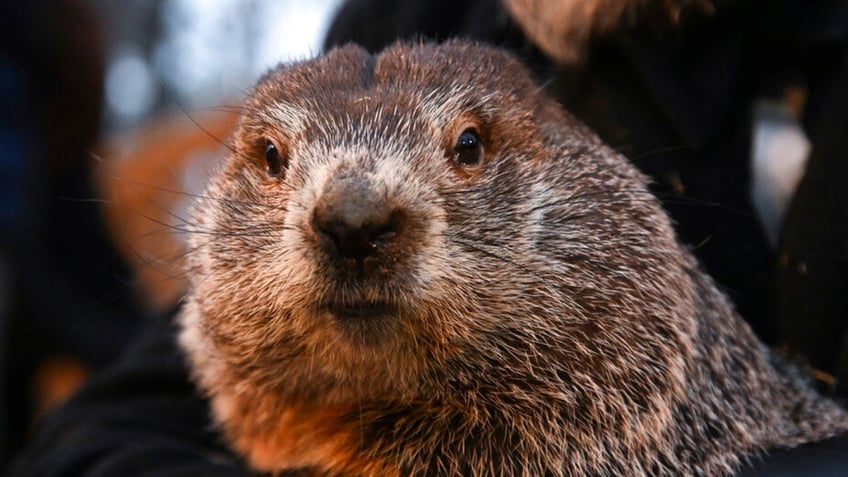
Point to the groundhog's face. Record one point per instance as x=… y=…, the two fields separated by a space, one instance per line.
x=389 y=225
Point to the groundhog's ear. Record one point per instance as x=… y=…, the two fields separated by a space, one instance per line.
x=551 y=118
x=556 y=124
x=548 y=109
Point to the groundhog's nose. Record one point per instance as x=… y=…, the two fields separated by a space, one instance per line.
x=353 y=222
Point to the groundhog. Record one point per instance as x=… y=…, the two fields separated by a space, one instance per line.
x=417 y=263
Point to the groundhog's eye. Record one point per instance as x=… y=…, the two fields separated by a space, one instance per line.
x=468 y=151
x=276 y=162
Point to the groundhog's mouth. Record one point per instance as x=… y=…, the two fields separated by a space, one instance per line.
x=368 y=310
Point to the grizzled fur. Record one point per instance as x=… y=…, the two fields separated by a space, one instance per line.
x=530 y=313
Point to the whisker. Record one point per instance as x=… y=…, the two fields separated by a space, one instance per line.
x=222 y=108
x=660 y=150
x=225 y=200
x=191 y=118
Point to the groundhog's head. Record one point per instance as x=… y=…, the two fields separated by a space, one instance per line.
x=394 y=225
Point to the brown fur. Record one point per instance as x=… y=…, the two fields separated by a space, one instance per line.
x=564 y=28
x=533 y=313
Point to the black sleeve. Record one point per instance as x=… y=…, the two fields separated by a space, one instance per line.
x=141 y=416
x=828 y=458
x=813 y=271
x=375 y=24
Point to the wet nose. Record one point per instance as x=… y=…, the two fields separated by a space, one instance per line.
x=353 y=221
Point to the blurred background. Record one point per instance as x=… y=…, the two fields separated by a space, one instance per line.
x=87 y=87
x=193 y=53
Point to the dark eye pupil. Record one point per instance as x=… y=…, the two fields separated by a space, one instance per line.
x=467 y=140
x=272 y=157
x=468 y=151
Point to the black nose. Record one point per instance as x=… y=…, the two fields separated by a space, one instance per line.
x=344 y=235
x=352 y=221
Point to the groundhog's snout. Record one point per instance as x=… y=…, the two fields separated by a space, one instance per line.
x=356 y=225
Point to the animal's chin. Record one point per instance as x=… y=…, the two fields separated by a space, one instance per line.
x=368 y=323
x=364 y=311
